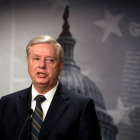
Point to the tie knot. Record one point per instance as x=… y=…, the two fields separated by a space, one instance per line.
x=40 y=98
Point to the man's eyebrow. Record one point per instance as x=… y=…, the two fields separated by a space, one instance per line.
x=49 y=57
x=36 y=55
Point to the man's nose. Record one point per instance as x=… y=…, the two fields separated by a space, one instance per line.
x=42 y=64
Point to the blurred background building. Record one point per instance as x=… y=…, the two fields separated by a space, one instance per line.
x=73 y=79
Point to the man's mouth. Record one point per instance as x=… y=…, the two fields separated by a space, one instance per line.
x=41 y=73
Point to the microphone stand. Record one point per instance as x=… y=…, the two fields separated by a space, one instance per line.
x=29 y=112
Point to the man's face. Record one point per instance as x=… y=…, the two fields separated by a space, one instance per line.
x=44 y=65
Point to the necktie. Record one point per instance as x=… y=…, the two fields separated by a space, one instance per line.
x=37 y=118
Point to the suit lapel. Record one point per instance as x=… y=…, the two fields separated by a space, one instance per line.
x=23 y=104
x=59 y=104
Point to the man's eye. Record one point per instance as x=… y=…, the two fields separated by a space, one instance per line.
x=36 y=58
x=50 y=60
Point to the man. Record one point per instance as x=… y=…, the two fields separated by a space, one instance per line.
x=59 y=113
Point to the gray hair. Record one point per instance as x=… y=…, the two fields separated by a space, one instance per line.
x=48 y=40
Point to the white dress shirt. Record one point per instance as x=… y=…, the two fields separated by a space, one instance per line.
x=46 y=104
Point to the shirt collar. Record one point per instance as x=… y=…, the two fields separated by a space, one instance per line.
x=49 y=95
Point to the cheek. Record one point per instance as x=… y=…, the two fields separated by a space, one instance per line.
x=32 y=69
x=52 y=70
x=56 y=70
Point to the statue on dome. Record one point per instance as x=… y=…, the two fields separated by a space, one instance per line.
x=65 y=31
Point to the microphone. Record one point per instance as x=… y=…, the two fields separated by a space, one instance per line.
x=29 y=113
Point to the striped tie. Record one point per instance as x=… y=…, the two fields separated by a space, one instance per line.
x=37 y=118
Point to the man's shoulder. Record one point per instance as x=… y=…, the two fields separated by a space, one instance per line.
x=74 y=96
x=15 y=94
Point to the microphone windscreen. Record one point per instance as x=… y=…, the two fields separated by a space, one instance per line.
x=30 y=111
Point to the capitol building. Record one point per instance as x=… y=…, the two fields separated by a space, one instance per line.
x=73 y=79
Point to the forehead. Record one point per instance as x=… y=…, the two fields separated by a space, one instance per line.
x=43 y=48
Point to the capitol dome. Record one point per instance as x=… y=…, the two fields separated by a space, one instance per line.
x=72 y=78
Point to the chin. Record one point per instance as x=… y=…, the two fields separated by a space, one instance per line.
x=43 y=83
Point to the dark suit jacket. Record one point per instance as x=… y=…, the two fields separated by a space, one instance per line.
x=71 y=116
